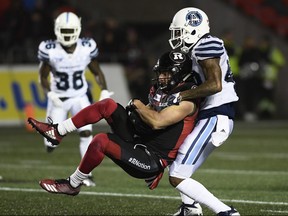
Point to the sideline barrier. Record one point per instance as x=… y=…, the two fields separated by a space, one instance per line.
x=19 y=86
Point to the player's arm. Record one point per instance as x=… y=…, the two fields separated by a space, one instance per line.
x=211 y=85
x=44 y=71
x=95 y=69
x=167 y=116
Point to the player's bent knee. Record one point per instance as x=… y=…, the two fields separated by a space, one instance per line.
x=85 y=133
x=174 y=181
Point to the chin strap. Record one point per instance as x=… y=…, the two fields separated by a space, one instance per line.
x=185 y=49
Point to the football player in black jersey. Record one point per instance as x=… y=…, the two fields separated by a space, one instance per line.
x=145 y=138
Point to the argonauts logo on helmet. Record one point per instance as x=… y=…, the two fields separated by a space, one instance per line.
x=194 y=18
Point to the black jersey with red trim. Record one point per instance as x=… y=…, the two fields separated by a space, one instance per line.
x=165 y=142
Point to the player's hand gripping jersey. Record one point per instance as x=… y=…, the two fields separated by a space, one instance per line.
x=68 y=69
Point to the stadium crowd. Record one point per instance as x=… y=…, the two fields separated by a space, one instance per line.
x=25 y=23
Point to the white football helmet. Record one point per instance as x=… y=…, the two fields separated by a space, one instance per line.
x=67 y=28
x=187 y=27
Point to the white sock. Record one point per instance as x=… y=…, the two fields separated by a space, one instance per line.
x=200 y=194
x=66 y=126
x=185 y=199
x=84 y=143
x=77 y=177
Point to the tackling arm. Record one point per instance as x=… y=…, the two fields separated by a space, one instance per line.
x=212 y=83
x=100 y=79
x=167 y=116
x=97 y=72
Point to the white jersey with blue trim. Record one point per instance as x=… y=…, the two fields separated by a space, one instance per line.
x=67 y=76
x=213 y=47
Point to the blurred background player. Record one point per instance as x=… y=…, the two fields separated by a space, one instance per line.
x=64 y=61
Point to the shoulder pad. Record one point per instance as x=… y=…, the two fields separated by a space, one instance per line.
x=44 y=48
x=88 y=42
x=47 y=45
x=90 y=45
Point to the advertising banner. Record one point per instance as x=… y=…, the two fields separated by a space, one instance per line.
x=22 y=95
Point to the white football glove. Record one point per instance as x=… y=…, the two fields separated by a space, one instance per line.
x=105 y=94
x=54 y=97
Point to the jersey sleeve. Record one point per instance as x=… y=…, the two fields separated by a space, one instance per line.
x=90 y=44
x=43 y=52
x=209 y=47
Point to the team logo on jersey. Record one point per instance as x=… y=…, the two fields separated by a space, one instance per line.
x=177 y=57
x=194 y=18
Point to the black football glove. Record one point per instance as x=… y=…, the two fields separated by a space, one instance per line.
x=131 y=106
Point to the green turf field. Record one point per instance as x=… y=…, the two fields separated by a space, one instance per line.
x=250 y=172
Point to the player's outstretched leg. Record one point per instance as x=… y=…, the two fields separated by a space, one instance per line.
x=48 y=130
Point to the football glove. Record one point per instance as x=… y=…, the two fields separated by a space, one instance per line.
x=131 y=106
x=105 y=94
x=54 y=97
x=153 y=182
x=174 y=99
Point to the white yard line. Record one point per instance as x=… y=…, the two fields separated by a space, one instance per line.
x=274 y=211
x=143 y=196
x=114 y=168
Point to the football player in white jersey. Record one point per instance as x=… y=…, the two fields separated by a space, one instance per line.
x=190 y=32
x=62 y=75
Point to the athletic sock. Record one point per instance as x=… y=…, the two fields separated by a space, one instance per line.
x=84 y=143
x=187 y=200
x=66 y=126
x=77 y=178
x=197 y=191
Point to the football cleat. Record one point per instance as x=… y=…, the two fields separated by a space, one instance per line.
x=48 y=130
x=49 y=146
x=231 y=212
x=59 y=186
x=49 y=149
x=189 y=210
x=89 y=182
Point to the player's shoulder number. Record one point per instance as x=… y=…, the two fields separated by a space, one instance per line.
x=50 y=44
x=87 y=42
